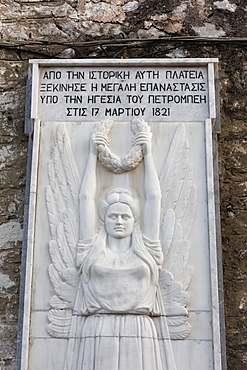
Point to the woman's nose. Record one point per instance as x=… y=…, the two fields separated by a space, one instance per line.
x=119 y=220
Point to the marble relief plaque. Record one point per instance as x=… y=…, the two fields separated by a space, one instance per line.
x=122 y=269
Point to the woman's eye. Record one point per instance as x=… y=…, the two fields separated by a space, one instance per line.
x=113 y=217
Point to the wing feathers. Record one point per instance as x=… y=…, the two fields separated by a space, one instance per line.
x=71 y=230
x=178 y=208
x=59 y=201
x=185 y=195
x=174 y=248
x=167 y=230
x=68 y=162
x=64 y=247
x=177 y=320
x=186 y=277
x=60 y=320
x=59 y=303
x=181 y=261
x=52 y=211
x=56 y=255
x=63 y=290
x=174 y=295
x=190 y=212
x=174 y=153
x=62 y=207
x=179 y=331
x=178 y=178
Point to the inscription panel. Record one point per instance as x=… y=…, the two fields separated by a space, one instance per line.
x=122 y=93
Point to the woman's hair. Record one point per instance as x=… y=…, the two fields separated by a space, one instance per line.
x=119 y=195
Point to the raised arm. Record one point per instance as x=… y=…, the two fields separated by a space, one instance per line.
x=87 y=208
x=152 y=205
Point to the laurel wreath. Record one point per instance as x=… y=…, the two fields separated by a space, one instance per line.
x=113 y=162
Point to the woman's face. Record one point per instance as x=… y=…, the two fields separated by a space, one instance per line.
x=119 y=221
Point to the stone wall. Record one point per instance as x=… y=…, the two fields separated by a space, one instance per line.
x=81 y=21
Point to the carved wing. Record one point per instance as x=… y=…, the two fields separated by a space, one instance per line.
x=62 y=206
x=178 y=209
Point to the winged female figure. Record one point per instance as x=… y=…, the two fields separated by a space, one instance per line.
x=114 y=309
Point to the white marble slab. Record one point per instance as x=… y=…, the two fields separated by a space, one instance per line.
x=193 y=355
x=47 y=354
x=200 y=348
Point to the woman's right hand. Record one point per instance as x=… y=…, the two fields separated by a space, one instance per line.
x=97 y=139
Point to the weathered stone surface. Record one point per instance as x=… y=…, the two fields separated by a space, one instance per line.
x=226 y=5
x=130 y=6
x=10 y=242
x=213 y=18
x=104 y=12
x=72 y=21
x=209 y=30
